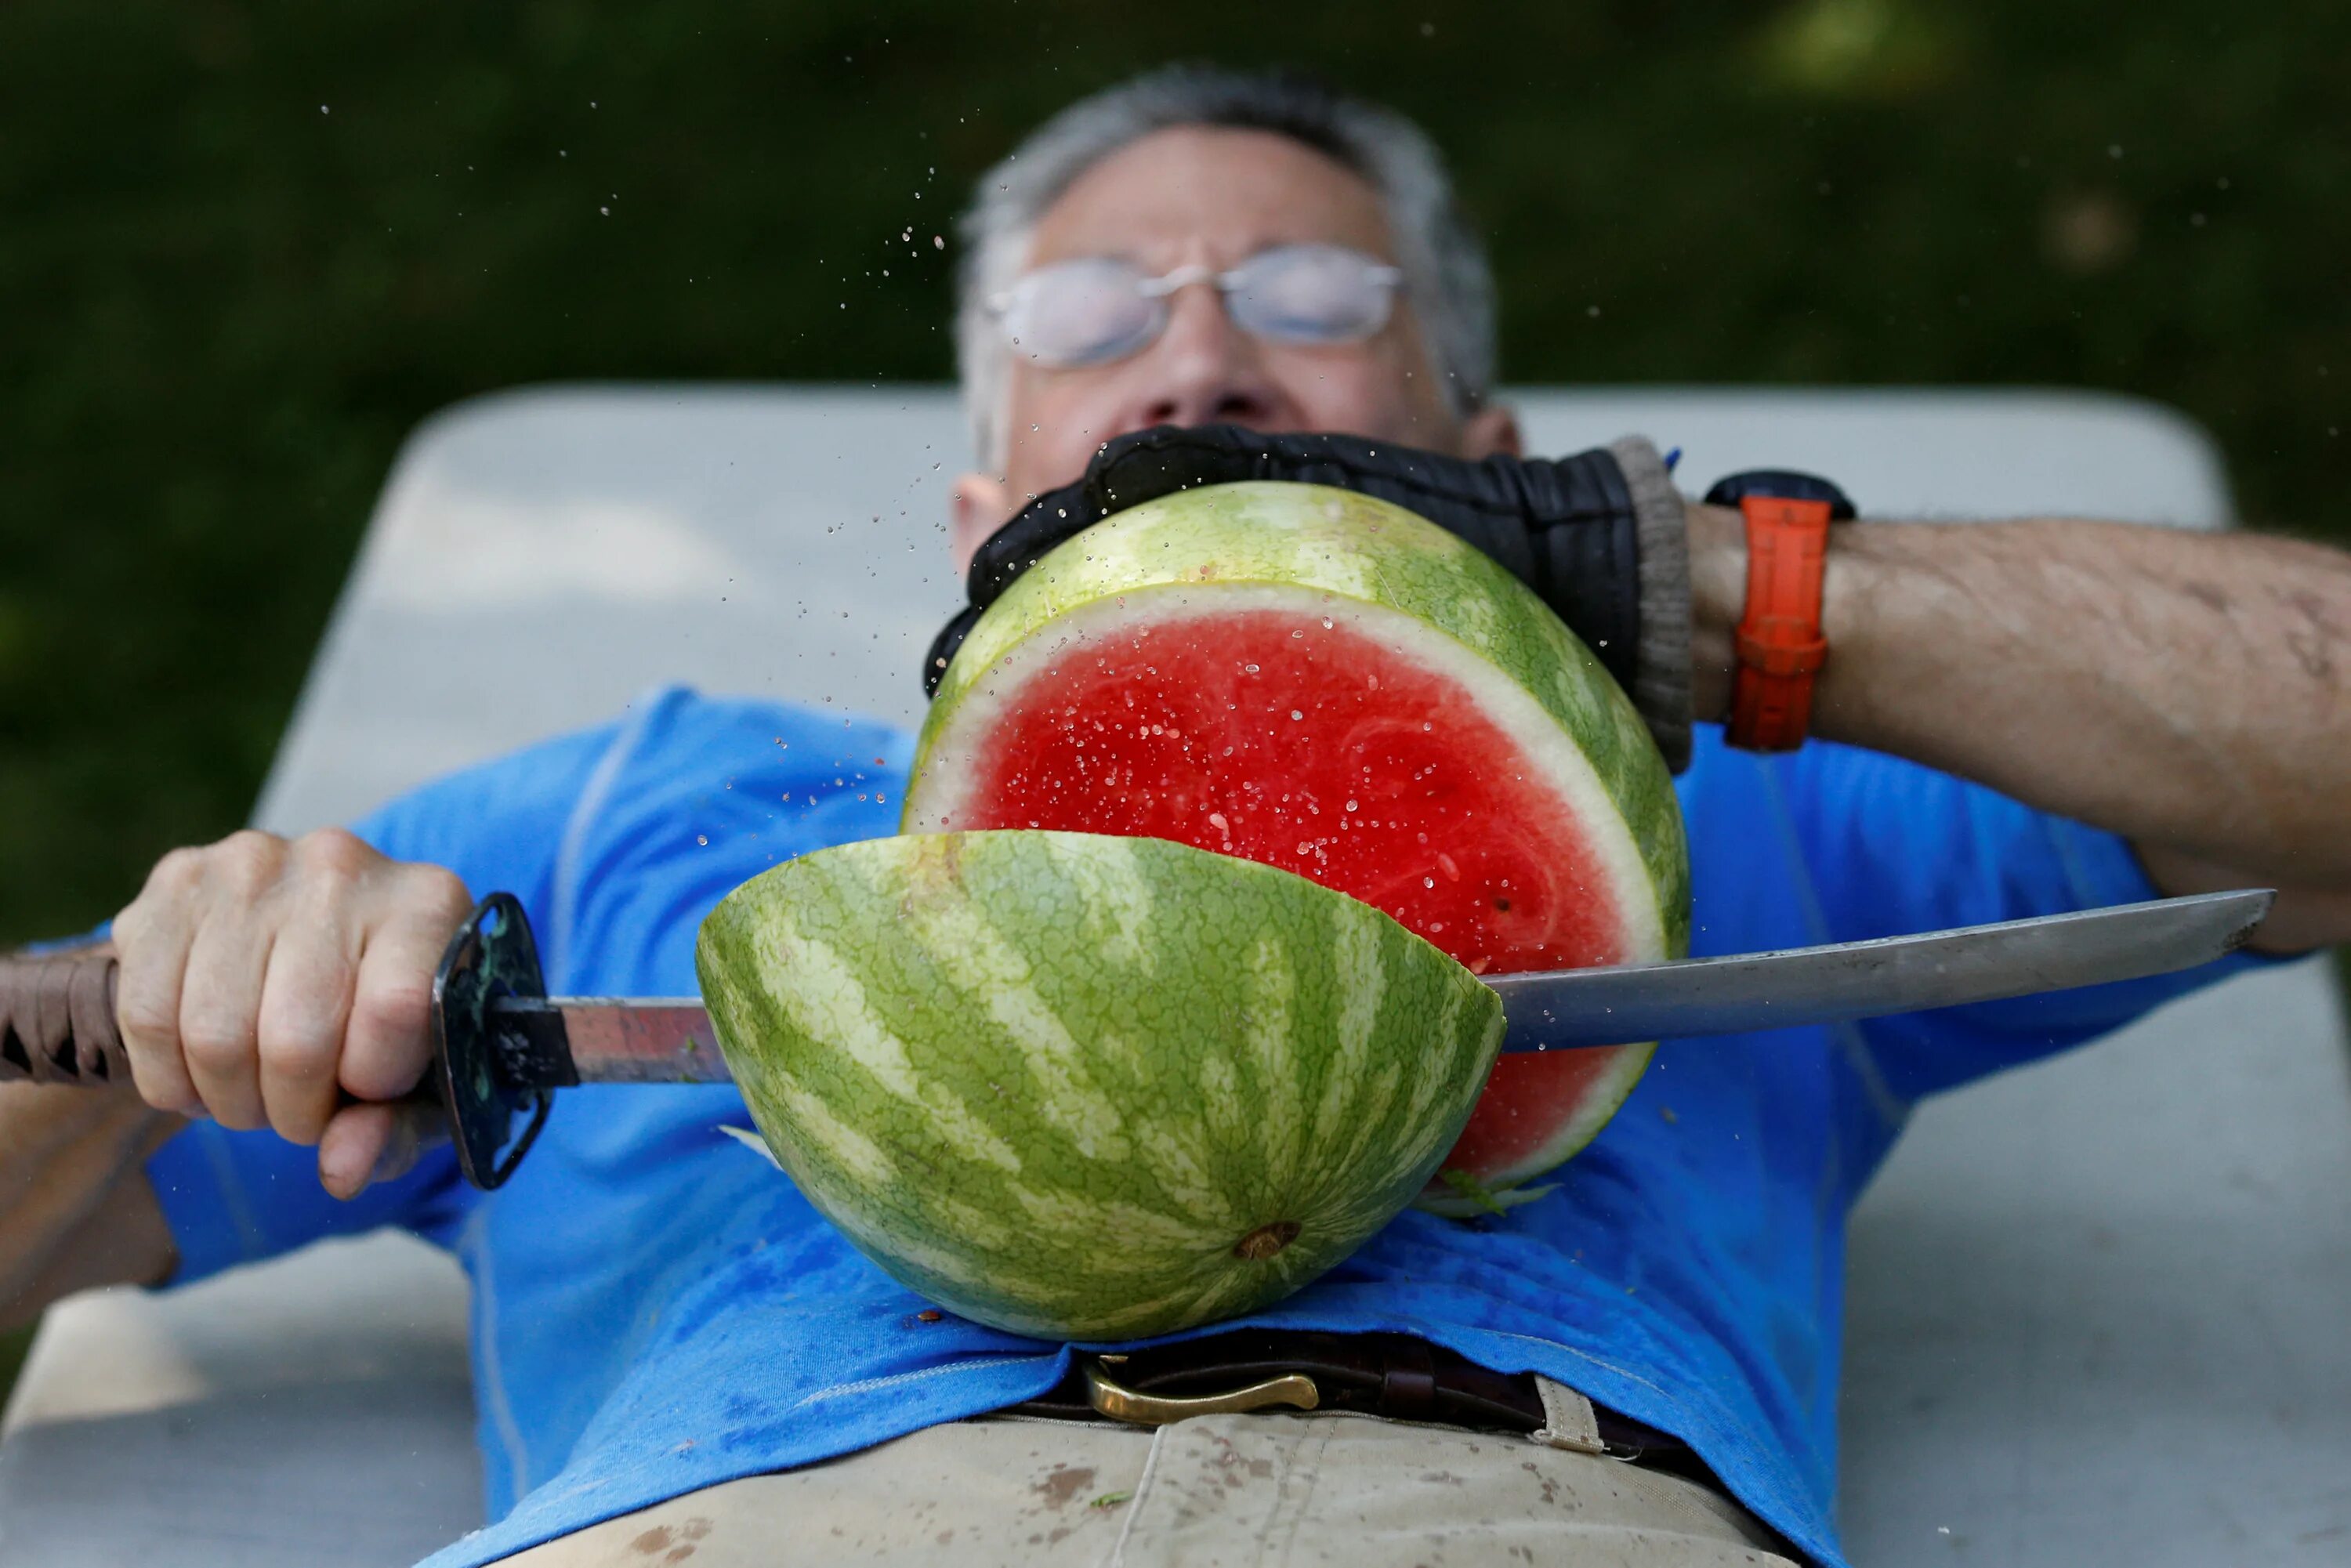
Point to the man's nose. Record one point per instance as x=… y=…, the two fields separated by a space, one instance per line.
x=1203 y=370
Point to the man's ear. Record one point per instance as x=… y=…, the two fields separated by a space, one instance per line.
x=983 y=504
x=1492 y=431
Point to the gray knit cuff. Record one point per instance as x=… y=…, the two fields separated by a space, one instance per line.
x=1661 y=689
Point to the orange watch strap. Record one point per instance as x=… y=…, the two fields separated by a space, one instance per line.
x=1778 y=642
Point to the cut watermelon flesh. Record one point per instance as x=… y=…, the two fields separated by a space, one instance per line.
x=1308 y=739
x=1314 y=750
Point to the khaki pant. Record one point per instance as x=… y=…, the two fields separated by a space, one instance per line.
x=1260 y=1490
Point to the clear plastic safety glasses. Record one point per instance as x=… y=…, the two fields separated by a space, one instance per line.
x=1094 y=309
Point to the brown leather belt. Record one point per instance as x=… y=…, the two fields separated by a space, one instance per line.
x=1400 y=1376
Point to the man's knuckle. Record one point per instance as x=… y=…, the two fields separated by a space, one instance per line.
x=146 y=1018
x=215 y=1045
x=130 y=925
x=439 y=890
x=250 y=844
x=247 y=861
x=394 y=1004
x=335 y=853
x=302 y=1048
x=176 y=872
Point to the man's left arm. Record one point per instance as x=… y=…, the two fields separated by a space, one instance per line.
x=2189 y=691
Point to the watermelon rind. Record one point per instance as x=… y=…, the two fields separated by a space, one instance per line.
x=1090 y=1088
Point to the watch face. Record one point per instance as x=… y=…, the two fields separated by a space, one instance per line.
x=1780 y=485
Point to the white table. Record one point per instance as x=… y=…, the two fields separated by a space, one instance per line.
x=2099 y=1306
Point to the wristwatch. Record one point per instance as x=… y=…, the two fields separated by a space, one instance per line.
x=1778 y=642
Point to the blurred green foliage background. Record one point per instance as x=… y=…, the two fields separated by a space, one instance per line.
x=244 y=247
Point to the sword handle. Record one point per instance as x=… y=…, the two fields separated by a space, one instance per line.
x=476 y=1061
x=57 y=1019
x=58 y=1025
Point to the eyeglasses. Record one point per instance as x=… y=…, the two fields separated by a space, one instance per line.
x=1095 y=309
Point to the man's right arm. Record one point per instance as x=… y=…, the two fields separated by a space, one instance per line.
x=264 y=982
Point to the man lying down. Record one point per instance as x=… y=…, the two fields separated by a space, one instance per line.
x=676 y=1356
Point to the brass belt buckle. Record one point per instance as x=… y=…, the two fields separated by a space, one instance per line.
x=1123 y=1404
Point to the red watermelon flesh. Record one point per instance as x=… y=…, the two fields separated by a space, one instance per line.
x=1306 y=742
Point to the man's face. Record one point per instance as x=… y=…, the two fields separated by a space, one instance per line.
x=1196 y=196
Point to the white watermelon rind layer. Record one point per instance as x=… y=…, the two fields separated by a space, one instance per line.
x=987 y=1059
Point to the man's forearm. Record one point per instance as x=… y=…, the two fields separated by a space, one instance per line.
x=2190 y=691
x=76 y=1209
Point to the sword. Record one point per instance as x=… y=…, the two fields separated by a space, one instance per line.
x=502 y=1045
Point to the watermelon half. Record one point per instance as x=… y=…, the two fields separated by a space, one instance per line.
x=1089 y=1087
x=1328 y=683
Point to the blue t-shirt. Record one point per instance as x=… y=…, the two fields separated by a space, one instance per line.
x=656 y=1310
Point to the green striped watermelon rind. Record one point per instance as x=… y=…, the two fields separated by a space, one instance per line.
x=1072 y=1086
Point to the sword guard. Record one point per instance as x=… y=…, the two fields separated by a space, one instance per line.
x=483 y=1064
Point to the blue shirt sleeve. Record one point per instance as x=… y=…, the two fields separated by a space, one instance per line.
x=235 y=1198
x=1893 y=847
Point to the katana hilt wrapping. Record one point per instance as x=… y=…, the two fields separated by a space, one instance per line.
x=57 y=1019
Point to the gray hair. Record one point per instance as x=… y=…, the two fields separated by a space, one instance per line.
x=1446 y=275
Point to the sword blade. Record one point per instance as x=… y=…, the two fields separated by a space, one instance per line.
x=558 y=1040
x=1751 y=991
x=619 y=1040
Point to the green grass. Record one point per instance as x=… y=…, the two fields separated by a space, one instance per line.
x=244 y=247
x=14 y=1344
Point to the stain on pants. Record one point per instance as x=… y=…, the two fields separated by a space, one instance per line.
x=1257 y=1490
